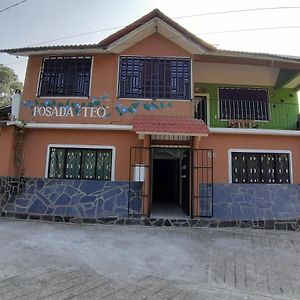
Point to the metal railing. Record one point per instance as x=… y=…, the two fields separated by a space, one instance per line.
x=253 y=114
x=244 y=110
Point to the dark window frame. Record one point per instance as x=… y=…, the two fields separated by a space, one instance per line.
x=154 y=78
x=261 y=167
x=201 y=108
x=65 y=76
x=82 y=150
x=240 y=106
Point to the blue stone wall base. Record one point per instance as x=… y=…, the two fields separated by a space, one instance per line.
x=62 y=198
x=293 y=225
x=256 y=201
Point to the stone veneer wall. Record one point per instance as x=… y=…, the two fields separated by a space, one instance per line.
x=9 y=188
x=73 y=198
x=256 y=201
x=98 y=199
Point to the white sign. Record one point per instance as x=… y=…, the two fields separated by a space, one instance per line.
x=86 y=112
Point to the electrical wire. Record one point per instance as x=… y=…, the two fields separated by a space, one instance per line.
x=13 y=5
x=179 y=17
x=238 y=11
x=251 y=29
x=203 y=33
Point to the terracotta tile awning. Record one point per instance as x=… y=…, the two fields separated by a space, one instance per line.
x=168 y=125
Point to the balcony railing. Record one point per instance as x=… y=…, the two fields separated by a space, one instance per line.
x=251 y=114
x=244 y=110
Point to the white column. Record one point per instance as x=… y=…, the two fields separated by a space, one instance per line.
x=15 y=105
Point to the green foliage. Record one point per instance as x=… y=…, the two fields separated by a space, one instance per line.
x=8 y=84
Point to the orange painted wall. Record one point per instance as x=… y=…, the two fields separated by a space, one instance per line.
x=37 y=141
x=156 y=45
x=7 y=152
x=221 y=143
x=237 y=74
x=104 y=80
x=32 y=77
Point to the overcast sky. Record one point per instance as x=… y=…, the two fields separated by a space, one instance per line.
x=39 y=21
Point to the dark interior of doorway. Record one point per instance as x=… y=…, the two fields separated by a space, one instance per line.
x=166 y=189
x=166 y=181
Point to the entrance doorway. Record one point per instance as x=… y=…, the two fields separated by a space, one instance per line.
x=162 y=178
x=170 y=183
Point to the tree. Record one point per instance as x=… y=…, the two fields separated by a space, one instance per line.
x=9 y=83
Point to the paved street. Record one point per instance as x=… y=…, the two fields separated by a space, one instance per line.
x=61 y=261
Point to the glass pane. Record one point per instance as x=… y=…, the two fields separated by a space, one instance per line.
x=253 y=167
x=153 y=77
x=73 y=163
x=282 y=168
x=243 y=103
x=88 y=164
x=56 y=163
x=104 y=159
x=265 y=168
x=239 y=167
x=65 y=76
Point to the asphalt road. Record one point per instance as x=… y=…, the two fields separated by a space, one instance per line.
x=62 y=261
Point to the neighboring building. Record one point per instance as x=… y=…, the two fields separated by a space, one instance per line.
x=155 y=110
x=5 y=113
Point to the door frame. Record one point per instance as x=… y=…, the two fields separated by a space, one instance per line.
x=200 y=180
x=196 y=95
x=179 y=176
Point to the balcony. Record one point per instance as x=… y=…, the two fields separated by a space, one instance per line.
x=250 y=114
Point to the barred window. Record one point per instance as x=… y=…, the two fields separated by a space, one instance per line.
x=243 y=103
x=155 y=77
x=65 y=76
x=73 y=163
x=260 y=167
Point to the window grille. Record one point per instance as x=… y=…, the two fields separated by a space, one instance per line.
x=243 y=103
x=155 y=78
x=260 y=167
x=71 y=163
x=65 y=76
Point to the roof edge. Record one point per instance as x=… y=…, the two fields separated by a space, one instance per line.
x=156 y=13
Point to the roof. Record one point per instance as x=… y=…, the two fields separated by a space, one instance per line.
x=156 y=13
x=26 y=51
x=156 y=21
x=169 y=125
x=104 y=46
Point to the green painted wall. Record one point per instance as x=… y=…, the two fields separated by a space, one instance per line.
x=283 y=104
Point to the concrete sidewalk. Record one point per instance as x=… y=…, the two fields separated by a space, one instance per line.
x=60 y=261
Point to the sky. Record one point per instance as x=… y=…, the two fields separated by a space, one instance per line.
x=36 y=22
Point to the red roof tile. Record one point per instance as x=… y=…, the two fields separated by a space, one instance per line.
x=169 y=125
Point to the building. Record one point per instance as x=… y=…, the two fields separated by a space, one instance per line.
x=153 y=121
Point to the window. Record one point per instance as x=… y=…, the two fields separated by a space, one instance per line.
x=243 y=103
x=252 y=167
x=65 y=76
x=153 y=77
x=76 y=163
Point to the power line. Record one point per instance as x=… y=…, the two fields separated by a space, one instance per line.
x=238 y=11
x=251 y=29
x=75 y=35
x=179 y=17
x=13 y=5
x=203 y=33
